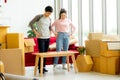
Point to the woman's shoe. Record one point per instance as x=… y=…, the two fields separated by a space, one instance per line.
x=64 y=67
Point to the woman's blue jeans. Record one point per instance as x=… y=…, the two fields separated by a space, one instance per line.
x=62 y=44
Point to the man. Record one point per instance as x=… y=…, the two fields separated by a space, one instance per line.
x=42 y=31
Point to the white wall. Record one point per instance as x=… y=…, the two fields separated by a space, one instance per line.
x=18 y=13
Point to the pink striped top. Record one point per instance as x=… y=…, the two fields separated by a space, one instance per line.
x=63 y=26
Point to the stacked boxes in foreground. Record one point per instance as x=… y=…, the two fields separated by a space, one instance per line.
x=104 y=60
x=13 y=56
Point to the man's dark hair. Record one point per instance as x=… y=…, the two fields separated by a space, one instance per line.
x=48 y=9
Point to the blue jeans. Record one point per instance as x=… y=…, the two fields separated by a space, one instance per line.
x=62 y=44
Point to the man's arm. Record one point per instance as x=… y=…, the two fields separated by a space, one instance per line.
x=35 y=19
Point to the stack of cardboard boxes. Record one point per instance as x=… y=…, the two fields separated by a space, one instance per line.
x=15 y=48
x=105 y=60
x=12 y=51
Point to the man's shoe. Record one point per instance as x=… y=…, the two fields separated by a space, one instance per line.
x=45 y=70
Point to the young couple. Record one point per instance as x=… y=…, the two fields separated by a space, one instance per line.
x=61 y=31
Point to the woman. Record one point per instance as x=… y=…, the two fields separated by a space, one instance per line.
x=63 y=26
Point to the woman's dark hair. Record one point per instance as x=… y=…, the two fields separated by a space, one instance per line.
x=48 y=9
x=62 y=11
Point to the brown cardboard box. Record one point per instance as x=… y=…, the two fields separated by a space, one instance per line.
x=109 y=65
x=15 y=40
x=84 y=63
x=105 y=52
x=95 y=48
x=95 y=36
x=96 y=64
x=13 y=60
x=29 y=45
x=3 y=32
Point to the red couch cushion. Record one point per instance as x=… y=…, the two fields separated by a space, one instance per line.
x=52 y=40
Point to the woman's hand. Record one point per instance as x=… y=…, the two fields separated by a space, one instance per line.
x=56 y=35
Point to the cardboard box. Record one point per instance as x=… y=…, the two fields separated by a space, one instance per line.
x=93 y=47
x=106 y=52
x=29 y=45
x=96 y=64
x=95 y=36
x=3 y=32
x=109 y=65
x=13 y=60
x=84 y=63
x=97 y=48
x=15 y=40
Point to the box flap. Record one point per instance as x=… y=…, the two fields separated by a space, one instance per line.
x=29 y=42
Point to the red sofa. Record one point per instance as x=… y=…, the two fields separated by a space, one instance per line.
x=30 y=59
